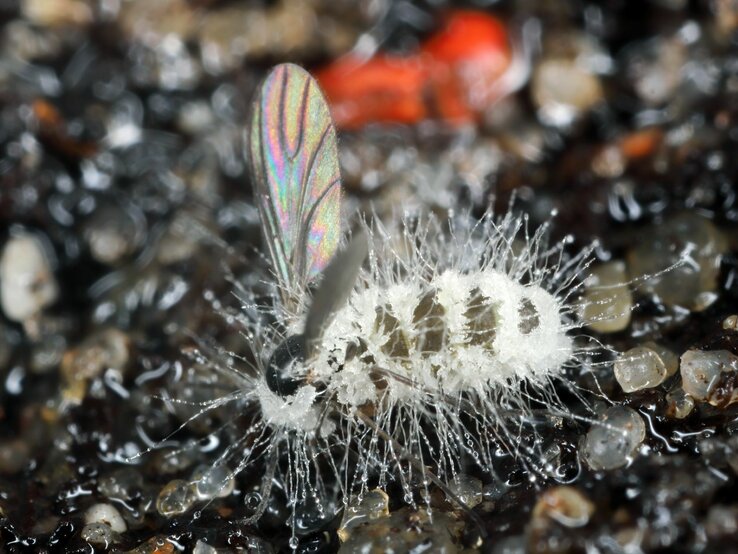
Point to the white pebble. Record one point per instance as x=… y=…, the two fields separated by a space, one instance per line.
x=562 y=90
x=644 y=367
x=27 y=283
x=107 y=514
x=565 y=505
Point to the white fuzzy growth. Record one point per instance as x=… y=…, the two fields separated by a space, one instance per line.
x=439 y=317
x=297 y=411
x=457 y=365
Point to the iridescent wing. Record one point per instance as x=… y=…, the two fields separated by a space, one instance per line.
x=294 y=166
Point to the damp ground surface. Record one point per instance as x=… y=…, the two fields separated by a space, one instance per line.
x=128 y=222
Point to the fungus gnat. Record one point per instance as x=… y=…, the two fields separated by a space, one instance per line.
x=404 y=357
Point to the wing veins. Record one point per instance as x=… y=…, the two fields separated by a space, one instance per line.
x=266 y=207
x=303 y=238
x=306 y=219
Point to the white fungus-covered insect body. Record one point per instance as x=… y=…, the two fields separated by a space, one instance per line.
x=454 y=333
x=412 y=353
x=445 y=336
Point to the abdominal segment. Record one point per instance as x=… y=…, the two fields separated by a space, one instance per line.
x=454 y=333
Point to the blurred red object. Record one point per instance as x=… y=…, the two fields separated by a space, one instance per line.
x=453 y=76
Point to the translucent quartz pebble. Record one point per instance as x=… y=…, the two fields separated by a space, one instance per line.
x=563 y=90
x=722 y=523
x=610 y=162
x=565 y=505
x=612 y=442
x=405 y=530
x=654 y=68
x=107 y=350
x=170 y=461
x=203 y=548
x=14 y=455
x=670 y=359
x=212 y=481
x=175 y=498
x=106 y=514
x=608 y=301
x=730 y=323
x=687 y=237
x=98 y=534
x=514 y=544
x=644 y=367
x=495 y=490
x=195 y=118
x=372 y=505
x=710 y=376
x=122 y=484
x=153 y=22
x=467 y=488
x=679 y=404
x=27 y=283
x=113 y=233
x=228 y=35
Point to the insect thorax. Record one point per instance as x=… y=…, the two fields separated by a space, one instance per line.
x=454 y=333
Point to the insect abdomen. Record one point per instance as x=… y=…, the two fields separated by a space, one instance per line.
x=454 y=332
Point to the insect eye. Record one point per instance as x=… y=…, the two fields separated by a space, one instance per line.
x=279 y=375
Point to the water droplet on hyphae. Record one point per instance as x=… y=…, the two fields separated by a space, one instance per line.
x=312 y=512
x=252 y=500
